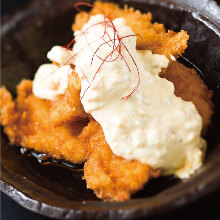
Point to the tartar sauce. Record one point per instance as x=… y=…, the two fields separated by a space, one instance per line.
x=60 y=55
x=152 y=125
x=51 y=81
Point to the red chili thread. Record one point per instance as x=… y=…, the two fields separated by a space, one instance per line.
x=136 y=87
x=69 y=44
x=104 y=60
x=115 y=48
x=96 y=74
x=106 y=42
x=76 y=6
x=102 y=37
x=107 y=23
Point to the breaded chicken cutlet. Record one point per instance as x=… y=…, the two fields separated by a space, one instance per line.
x=63 y=130
x=150 y=36
x=112 y=177
x=27 y=122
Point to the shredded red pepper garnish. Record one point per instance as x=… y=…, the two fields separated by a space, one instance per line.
x=116 y=44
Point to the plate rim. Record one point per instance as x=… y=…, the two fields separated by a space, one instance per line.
x=8 y=189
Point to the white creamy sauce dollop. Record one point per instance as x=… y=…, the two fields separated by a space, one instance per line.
x=60 y=55
x=152 y=125
x=51 y=81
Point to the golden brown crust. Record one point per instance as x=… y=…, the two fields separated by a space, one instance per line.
x=110 y=176
x=104 y=171
x=27 y=122
x=7 y=107
x=114 y=178
x=153 y=35
x=190 y=87
x=69 y=107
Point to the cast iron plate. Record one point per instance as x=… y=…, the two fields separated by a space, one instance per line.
x=51 y=190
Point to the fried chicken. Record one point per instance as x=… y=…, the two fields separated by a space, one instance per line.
x=69 y=108
x=153 y=35
x=27 y=122
x=190 y=87
x=112 y=177
x=181 y=76
x=63 y=130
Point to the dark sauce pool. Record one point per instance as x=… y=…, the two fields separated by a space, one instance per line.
x=66 y=174
x=41 y=183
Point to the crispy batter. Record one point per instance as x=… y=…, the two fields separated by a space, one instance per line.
x=27 y=123
x=69 y=107
x=153 y=35
x=110 y=176
x=7 y=106
x=190 y=87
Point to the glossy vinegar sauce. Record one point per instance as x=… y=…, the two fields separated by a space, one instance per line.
x=68 y=177
x=58 y=176
x=46 y=160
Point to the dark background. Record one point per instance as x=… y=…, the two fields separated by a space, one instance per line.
x=206 y=208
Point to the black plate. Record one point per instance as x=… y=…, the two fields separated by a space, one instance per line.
x=59 y=192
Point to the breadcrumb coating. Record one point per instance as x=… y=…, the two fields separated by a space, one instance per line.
x=190 y=87
x=153 y=35
x=112 y=177
x=27 y=122
x=69 y=108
